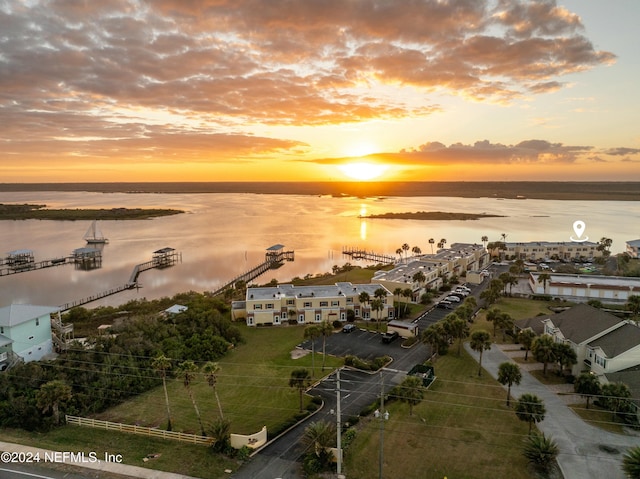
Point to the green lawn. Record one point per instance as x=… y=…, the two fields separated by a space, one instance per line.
x=253 y=385
x=462 y=428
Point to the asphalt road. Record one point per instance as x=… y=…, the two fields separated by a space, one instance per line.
x=280 y=458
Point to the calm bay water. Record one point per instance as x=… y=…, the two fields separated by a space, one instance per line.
x=223 y=235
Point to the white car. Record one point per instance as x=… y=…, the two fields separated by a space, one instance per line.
x=453 y=299
x=461 y=291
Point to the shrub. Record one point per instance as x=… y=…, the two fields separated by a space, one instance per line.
x=336 y=324
x=541 y=452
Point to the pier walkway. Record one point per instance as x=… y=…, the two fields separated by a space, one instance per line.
x=274 y=258
x=358 y=253
x=163 y=258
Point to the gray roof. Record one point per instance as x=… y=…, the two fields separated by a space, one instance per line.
x=583 y=322
x=619 y=340
x=634 y=243
x=630 y=377
x=22 y=313
x=318 y=291
x=4 y=341
x=535 y=324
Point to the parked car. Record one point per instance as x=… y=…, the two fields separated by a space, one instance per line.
x=453 y=299
x=462 y=286
x=389 y=336
x=458 y=294
x=462 y=292
x=445 y=305
x=348 y=328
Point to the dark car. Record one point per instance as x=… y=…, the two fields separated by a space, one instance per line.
x=390 y=336
x=348 y=328
x=444 y=304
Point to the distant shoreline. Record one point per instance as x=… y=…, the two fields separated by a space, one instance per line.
x=432 y=215
x=588 y=191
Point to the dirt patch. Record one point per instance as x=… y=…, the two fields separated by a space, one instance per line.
x=298 y=353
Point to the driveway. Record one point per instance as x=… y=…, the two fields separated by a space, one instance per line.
x=581 y=445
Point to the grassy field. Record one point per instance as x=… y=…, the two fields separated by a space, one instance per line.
x=462 y=428
x=173 y=456
x=252 y=385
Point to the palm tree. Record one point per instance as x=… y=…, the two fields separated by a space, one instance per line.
x=505 y=322
x=416 y=250
x=405 y=248
x=300 y=379
x=398 y=292
x=162 y=364
x=457 y=328
x=419 y=277
x=443 y=242
x=188 y=370
x=526 y=337
x=508 y=374
x=377 y=305
x=544 y=278
x=633 y=303
x=363 y=298
x=399 y=253
x=311 y=332
x=411 y=391
x=50 y=395
x=480 y=341
x=604 y=245
x=325 y=330
x=565 y=356
x=431 y=242
x=615 y=397
x=530 y=408
x=587 y=385
x=436 y=337
x=220 y=431
x=407 y=293
x=631 y=462
x=541 y=452
x=543 y=350
x=320 y=437
x=484 y=240
x=493 y=316
x=210 y=371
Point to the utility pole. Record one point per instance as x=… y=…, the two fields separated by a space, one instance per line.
x=383 y=416
x=338 y=427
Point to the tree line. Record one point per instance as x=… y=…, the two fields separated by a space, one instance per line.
x=107 y=369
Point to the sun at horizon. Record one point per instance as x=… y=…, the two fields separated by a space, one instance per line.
x=362 y=170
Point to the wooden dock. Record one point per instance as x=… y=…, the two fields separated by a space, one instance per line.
x=361 y=254
x=7 y=268
x=274 y=258
x=163 y=258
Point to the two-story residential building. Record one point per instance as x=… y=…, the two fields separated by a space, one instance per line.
x=541 y=250
x=633 y=248
x=459 y=259
x=603 y=342
x=575 y=287
x=25 y=331
x=274 y=305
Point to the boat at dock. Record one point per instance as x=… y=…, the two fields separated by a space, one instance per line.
x=94 y=235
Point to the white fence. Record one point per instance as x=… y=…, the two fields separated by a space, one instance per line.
x=143 y=431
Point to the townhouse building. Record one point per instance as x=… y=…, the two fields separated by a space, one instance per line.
x=549 y=250
x=275 y=305
x=582 y=288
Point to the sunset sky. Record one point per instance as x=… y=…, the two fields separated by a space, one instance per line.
x=319 y=90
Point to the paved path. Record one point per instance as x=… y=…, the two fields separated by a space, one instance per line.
x=101 y=466
x=580 y=443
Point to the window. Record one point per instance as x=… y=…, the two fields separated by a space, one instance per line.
x=1 y=329
x=318 y=318
x=276 y=319
x=324 y=304
x=37 y=321
x=269 y=305
x=250 y=321
x=301 y=318
x=30 y=339
x=290 y=302
x=307 y=304
x=600 y=361
x=257 y=306
x=349 y=300
x=335 y=303
x=342 y=317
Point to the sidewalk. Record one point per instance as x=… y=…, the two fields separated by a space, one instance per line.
x=101 y=465
x=581 y=454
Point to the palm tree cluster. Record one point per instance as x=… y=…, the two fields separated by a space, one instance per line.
x=189 y=372
x=546 y=350
x=403 y=251
x=500 y=320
